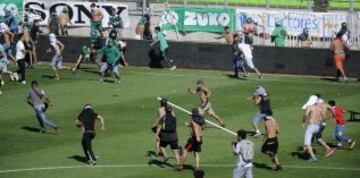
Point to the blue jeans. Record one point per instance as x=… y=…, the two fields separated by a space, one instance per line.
x=43 y=119
x=339 y=134
x=238 y=63
x=258 y=117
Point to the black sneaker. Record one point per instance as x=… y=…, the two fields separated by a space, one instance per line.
x=278 y=168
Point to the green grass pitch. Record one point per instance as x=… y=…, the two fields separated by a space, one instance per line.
x=130 y=108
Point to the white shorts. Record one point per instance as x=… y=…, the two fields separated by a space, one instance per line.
x=56 y=62
x=311 y=129
x=249 y=62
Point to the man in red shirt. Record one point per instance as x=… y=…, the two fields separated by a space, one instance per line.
x=338 y=114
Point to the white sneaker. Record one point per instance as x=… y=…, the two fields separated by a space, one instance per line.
x=12 y=77
x=257 y=134
x=2 y=82
x=16 y=76
x=173 y=68
x=23 y=82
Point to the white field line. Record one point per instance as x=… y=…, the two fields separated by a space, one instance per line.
x=147 y=166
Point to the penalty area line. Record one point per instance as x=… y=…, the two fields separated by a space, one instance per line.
x=147 y=166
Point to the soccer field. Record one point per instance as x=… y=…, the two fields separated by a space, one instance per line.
x=130 y=109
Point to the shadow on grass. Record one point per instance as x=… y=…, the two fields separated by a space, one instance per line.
x=331 y=79
x=234 y=77
x=47 y=76
x=262 y=166
x=78 y=158
x=35 y=130
x=301 y=154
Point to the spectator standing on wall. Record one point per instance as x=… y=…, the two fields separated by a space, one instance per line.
x=53 y=24
x=11 y=21
x=345 y=33
x=96 y=19
x=338 y=47
x=142 y=26
x=279 y=35
x=227 y=35
x=249 y=31
x=304 y=39
x=64 y=20
x=116 y=22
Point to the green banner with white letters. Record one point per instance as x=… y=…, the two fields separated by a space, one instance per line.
x=190 y=19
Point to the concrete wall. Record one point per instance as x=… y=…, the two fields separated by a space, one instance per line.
x=219 y=56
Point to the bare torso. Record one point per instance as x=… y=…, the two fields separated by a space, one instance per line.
x=271 y=128
x=64 y=19
x=249 y=29
x=203 y=93
x=229 y=38
x=315 y=114
x=338 y=47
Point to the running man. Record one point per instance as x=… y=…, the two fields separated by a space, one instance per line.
x=261 y=99
x=271 y=144
x=167 y=135
x=338 y=48
x=86 y=54
x=38 y=100
x=4 y=62
x=20 y=57
x=96 y=19
x=195 y=141
x=112 y=54
x=246 y=50
x=86 y=120
x=238 y=62
x=311 y=119
x=338 y=115
x=56 y=61
x=316 y=99
x=243 y=150
x=161 y=114
x=205 y=94
x=164 y=47
x=8 y=39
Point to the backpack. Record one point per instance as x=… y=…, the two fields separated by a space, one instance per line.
x=169 y=124
x=247 y=150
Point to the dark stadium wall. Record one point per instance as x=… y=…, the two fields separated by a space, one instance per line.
x=191 y=55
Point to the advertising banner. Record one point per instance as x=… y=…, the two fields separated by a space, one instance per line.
x=189 y=19
x=319 y=24
x=79 y=12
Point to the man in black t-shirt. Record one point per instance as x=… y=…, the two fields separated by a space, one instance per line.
x=86 y=120
x=261 y=98
x=166 y=133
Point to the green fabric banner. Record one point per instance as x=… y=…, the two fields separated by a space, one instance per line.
x=190 y=19
x=13 y=6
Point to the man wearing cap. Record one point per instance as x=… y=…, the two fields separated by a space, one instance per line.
x=271 y=144
x=261 y=99
x=64 y=20
x=195 y=141
x=167 y=135
x=204 y=94
x=86 y=120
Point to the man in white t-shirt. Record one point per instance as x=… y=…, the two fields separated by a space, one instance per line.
x=20 y=57
x=244 y=151
x=246 y=50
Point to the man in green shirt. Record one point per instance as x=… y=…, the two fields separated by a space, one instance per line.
x=279 y=35
x=112 y=53
x=84 y=56
x=160 y=37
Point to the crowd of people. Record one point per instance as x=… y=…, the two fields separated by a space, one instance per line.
x=109 y=56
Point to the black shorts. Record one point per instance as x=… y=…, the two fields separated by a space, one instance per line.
x=173 y=144
x=270 y=146
x=193 y=145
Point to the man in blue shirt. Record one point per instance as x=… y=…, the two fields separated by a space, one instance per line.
x=11 y=21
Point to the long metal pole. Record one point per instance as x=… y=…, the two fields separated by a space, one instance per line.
x=143 y=7
x=309 y=5
x=268 y=3
x=351 y=6
x=207 y=121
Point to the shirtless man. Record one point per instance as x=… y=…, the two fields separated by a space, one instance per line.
x=338 y=48
x=316 y=99
x=227 y=35
x=205 y=93
x=8 y=39
x=96 y=18
x=311 y=119
x=161 y=114
x=56 y=61
x=195 y=141
x=64 y=20
x=271 y=144
x=249 y=30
